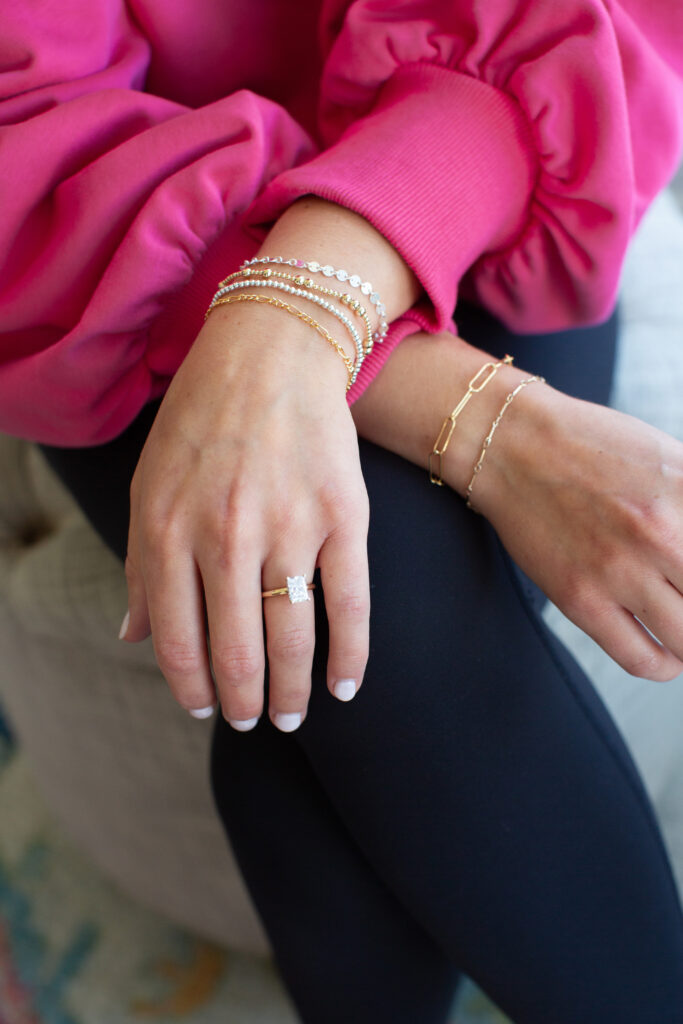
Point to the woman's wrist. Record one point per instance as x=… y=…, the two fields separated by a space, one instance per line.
x=270 y=350
x=405 y=407
x=527 y=428
x=315 y=229
x=313 y=246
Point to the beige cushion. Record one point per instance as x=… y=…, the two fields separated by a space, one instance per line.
x=123 y=767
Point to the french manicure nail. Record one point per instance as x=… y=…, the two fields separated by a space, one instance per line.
x=287 y=722
x=243 y=724
x=124 y=625
x=345 y=689
x=202 y=712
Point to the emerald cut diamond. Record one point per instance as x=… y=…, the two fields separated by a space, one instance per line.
x=298 y=589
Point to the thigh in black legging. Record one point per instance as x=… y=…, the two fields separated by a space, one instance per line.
x=478 y=777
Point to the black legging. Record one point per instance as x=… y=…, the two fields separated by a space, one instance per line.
x=474 y=807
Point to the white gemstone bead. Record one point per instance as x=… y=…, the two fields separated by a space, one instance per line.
x=374 y=298
x=366 y=288
x=327 y=270
x=355 y=281
x=313 y=267
x=341 y=275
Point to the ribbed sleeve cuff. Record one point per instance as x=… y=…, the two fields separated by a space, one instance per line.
x=443 y=166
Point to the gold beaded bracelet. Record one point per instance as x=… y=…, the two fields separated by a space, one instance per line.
x=305 y=282
x=448 y=426
x=270 y=300
x=489 y=436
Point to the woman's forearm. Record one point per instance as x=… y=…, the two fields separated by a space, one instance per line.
x=585 y=499
x=406 y=404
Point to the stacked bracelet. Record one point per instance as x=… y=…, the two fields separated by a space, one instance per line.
x=354 y=305
x=305 y=288
x=354 y=280
x=477 y=384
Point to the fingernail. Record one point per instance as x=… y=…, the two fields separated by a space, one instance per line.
x=287 y=723
x=124 y=625
x=202 y=712
x=243 y=724
x=345 y=689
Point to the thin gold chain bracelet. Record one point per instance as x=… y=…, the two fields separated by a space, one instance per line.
x=494 y=425
x=270 y=300
x=448 y=425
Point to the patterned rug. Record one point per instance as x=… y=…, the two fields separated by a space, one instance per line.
x=75 y=950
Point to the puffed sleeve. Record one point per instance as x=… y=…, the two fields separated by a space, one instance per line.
x=120 y=211
x=507 y=149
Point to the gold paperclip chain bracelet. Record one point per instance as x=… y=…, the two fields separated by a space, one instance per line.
x=473 y=388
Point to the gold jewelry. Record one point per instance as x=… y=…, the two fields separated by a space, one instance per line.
x=305 y=282
x=341 y=275
x=487 y=439
x=270 y=300
x=296 y=590
x=448 y=426
x=302 y=293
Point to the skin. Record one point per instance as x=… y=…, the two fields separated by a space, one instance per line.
x=266 y=482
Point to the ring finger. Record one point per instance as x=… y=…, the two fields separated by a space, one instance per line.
x=290 y=638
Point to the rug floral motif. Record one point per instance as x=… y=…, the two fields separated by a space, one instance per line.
x=75 y=950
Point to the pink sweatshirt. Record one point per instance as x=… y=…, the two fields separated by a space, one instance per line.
x=506 y=148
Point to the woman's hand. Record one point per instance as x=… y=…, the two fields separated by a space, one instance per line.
x=589 y=503
x=250 y=474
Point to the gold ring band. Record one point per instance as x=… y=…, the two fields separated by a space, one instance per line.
x=284 y=591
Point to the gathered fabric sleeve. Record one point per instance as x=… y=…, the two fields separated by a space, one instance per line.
x=120 y=211
x=507 y=150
